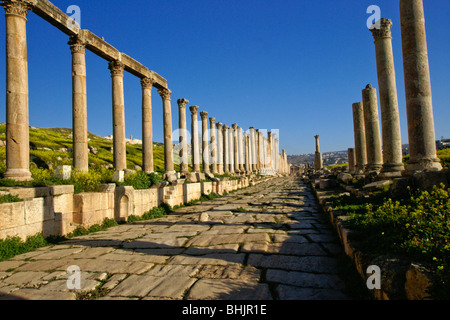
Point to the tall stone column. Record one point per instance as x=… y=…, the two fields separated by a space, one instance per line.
x=360 y=138
x=184 y=159
x=372 y=127
x=17 y=120
x=219 y=154
x=258 y=150
x=269 y=150
x=194 y=139
x=241 y=150
x=79 y=104
x=147 y=125
x=253 y=148
x=231 y=149
x=390 y=119
x=235 y=148
x=212 y=129
x=351 y=160
x=205 y=142
x=226 y=160
x=119 y=142
x=419 y=106
x=318 y=163
x=169 y=172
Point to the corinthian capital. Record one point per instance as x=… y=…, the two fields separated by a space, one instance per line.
x=193 y=109
x=165 y=93
x=16 y=7
x=234 y=126
x=219 y=125
x=182 y=103
x=116 y=68
x=77 y=45
x=384 y=31
x=147 y=83
x=204 y=115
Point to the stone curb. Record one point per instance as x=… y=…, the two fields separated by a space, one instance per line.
x=400 y=280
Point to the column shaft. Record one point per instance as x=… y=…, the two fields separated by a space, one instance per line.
x=212 y=129
x=194 y=139
x=79 y=105
x=390 y=119
x=219 y=155
x=168 y=141
x=372 y=127
x=226 y=161
x=119 y=142
x=17 y=120
x=184 y=159
x=360 y=137
x=147 y=125
x=205 y=142
x=419 y=106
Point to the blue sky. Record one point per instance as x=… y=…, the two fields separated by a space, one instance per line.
x=296 y=66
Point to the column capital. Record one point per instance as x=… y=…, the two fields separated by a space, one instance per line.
x=234 y=126
x=193 y=109
x=204 y=115
x=212 y=120
x=182 y=103
x=165 y=93
x=147 y=83
x=219 y=125
x=384 y=31
x=16 y=7
x=225 y=127
x=77 y=44
x=116 y=68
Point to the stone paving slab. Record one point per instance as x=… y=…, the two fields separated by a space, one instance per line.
x=268 y=241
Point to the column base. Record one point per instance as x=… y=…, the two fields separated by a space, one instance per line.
x=170 y=176
x=389 y=171
x=422 y=165
x=18 y=174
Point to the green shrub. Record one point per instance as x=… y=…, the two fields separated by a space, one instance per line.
x=418 y=228
x=9 y=198
x=12 y=246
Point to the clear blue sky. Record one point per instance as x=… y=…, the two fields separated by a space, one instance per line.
x=295 y=65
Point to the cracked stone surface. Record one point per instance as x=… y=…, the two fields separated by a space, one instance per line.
x=268 y=241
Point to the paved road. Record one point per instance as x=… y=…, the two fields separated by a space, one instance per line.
x=265 y=242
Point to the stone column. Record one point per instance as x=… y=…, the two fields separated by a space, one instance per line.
x=194 y=139
x=147 y=125
x=212 y=129
x=119 y=142
x=226 y=161
x=231 y=149
x=235 y=148
x=419 y=106
x=184 y=159
x=390 y=119
x=247 y=153
x=269 y=150
x=258 y=150
x=253 y=149
x=318 y=163
x=17 y=121
x=241 y=150
x=351 y=160
x=205 y=142
x=372 y=127
x=360 y=138
x=79 y=104
x=169 y=172
x=219 y=154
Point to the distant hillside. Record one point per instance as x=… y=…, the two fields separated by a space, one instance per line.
x=50 y=147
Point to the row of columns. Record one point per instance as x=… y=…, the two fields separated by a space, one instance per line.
x=226 y=149
x=233 y=151
x=369 y=154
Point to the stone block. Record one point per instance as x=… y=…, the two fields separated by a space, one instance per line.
x=118 y=176
x=62 y=189
x=378 y=185
x=427 y=180
x=12 y=215
x=417 y=283
x=345 y=177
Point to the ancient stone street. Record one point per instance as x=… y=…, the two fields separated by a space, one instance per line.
x=264 y=242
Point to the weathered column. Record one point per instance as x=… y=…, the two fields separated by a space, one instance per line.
x=194 y=139
x=247 y=153
x=419 y=106
x=235 y=148
x=169 y=172
x=252 y=149
x=372 y=127
x=231 y=149
x=119 y=142
x=360 y=138
x=269 y=150
x=147 y=125
x=184 y=159
x=219 y=154
x=212 y=129
x=390 y=119
x=226 y=161
x=258 y=151
x=351 y=160
x=318 y=163
x=17 y=121
x=79 y=104
x=241 y=138
x=205 y=142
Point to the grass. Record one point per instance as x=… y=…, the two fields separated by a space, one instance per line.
x=9 y=198
x=416 y=228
